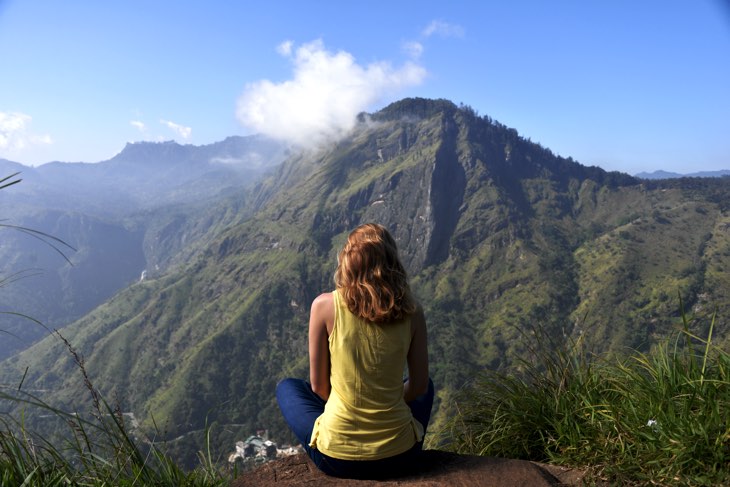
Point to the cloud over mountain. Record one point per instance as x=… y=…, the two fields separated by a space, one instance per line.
x=14 y=133
x=181 y=130
x=322 y=99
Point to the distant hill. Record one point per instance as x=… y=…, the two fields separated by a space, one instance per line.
x=122 y=216
x=144 y=175
x=673 y=175
x=498 y=234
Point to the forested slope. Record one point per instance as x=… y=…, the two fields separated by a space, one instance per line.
x=498 y=234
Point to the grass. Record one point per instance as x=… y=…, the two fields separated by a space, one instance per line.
x=97 y=449
x=661 y=417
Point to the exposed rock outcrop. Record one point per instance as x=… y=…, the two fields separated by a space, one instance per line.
x=438 y=468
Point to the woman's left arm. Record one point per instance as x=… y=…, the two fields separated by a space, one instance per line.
x=417 y=382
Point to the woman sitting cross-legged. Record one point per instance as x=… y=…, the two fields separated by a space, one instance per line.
x=359 y=418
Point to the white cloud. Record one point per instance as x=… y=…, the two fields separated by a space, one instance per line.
x=40 y=139
x=443 y=29
x=14 y=134
x=321 y=101
x=413 y=49
x=180 y=130
x=285 y=48
x=138 y=125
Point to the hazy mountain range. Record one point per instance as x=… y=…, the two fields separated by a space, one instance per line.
x=498 y=234
x=117 y=218
x=673 y=175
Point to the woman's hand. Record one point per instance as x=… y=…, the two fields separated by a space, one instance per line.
x=321 y=321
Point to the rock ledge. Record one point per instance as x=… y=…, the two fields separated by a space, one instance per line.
x=439 y=468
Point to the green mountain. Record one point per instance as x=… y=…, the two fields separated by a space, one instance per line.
x=131 y=214
x=498 y=234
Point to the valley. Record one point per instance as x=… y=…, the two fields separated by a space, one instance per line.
x=502 y=239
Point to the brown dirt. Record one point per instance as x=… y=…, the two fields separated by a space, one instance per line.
x=438 y=468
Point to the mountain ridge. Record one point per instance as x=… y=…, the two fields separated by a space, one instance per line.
x=499 y=236
x=155 y=198
x=660 y=174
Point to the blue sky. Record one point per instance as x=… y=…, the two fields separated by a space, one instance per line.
x=624 y=85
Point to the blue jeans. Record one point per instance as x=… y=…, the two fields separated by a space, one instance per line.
x=300 y=407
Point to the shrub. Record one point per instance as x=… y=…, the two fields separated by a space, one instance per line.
x=659 y=417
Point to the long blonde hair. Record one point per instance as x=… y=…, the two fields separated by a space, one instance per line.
x=371 y=278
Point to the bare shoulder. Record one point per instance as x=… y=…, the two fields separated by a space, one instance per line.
x=323 y=301
x=322 y=313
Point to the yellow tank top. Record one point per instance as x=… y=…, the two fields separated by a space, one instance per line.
x=365 y=417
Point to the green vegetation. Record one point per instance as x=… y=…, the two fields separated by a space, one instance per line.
x=497 y=233
x=98 y=450
x=95 y=449
x=659 y=417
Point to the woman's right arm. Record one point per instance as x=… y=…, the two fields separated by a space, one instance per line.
x=417 y=382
